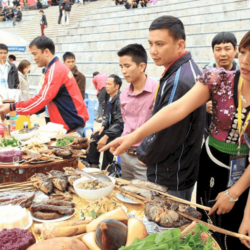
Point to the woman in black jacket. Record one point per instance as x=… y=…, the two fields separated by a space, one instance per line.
x=43 y=22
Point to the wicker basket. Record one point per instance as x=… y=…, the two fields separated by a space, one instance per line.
x=11 y=173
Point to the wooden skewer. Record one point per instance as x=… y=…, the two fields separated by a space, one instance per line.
x=218 y=229
x=131 y=197
x=17 y=185
x=134 y=195
x=14 y=184
x=175 y=198
x=15 y=188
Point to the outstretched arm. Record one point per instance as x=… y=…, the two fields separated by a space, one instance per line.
x=165 y=118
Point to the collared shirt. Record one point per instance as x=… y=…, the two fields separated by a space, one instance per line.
x=137 y=108
x=4 y=71
x=99 y=82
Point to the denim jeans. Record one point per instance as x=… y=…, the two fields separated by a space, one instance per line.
x=185 y=194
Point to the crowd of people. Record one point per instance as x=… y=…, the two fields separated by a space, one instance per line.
x=159 y=128
x=132 y=4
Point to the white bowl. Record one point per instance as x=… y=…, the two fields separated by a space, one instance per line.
x=91 y=195
x=22 y=137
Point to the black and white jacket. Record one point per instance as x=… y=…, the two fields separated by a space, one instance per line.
x=172 y=155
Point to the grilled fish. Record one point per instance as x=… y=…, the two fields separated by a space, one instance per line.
x=69 y=170
x=60 y=182
x=71 y=190
x=148 y=184
x=42 y=183
x=59 y=209
x=166 y=213
x=73 y=178
x=140 y=191
x=37 y=176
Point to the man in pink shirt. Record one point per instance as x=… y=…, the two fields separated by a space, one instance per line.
x=99 y=81
x=136 y=104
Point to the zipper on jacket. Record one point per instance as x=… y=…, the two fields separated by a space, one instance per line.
x=179 y=161
x=156 y=172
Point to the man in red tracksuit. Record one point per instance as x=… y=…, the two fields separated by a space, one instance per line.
x=60 y=91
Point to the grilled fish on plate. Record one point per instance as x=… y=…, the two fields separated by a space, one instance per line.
x=60 y=182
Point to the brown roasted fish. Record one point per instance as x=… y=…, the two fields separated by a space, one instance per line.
x=60 y=203
x=166 y=213
x=61 y=197
x=71 y=190
x=44 y=185
x=46 y=215
x=73 y=178
x=59 y=209
x=64 y=152
x=69 y=170
x=149 y=184
x=140 y=191
x=42 y=182
x=60 y=182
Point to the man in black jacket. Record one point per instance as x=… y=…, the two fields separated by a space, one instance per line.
x=112 y=125
x=66 y=6
x=172 y=155
x=8 y=71
x=18 y=16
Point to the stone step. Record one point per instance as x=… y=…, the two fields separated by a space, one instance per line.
x=200 y=25
x=141 y=32
x=145 y=14
x=172 y=5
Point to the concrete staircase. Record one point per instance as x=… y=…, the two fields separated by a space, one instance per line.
x=100 y=29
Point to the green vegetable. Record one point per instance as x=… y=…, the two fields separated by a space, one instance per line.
x=94 y=215
x=172 y=240
x=64 y=141
x=11 y=141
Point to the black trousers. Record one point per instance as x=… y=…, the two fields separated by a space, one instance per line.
x=94 y=154
x=60 y=16
x=101 y=98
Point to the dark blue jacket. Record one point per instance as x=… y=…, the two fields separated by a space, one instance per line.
x=172 y=155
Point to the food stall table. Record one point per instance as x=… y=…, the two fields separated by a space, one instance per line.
x=81 y=203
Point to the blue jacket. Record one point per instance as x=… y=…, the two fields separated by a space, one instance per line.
x=172 y=155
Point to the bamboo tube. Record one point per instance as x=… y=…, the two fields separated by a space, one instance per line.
x=218 y=229
x=176 y=198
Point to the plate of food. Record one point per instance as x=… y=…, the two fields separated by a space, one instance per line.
x=125 y=199
x=64 y=217
x=35 y=147
x=30 y=221
x=10 y=142
x=23 y=134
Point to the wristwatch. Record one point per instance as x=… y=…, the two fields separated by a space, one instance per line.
x=230 y=198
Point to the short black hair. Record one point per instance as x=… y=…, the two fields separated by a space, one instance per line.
x=136 y=51
x=42 y=43
x=41 y=11
x=68 y=55
x=95 y=73
x=12 y=57
x=173 y=24
x=224 y=37
x=3 y=47
x=117 y=80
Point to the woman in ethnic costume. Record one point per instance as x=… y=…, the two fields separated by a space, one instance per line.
x=226 y=92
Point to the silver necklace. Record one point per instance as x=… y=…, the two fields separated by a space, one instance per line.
x=243 y=99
